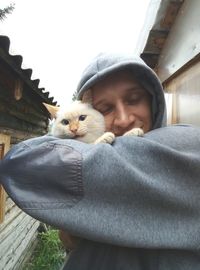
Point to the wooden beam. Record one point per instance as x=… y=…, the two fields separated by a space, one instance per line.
x=29 y=118
x=9 y=121
x=4 y=147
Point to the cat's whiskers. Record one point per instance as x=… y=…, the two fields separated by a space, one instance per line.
x=82 y=129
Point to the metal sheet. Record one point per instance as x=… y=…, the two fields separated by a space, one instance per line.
x=183 y=42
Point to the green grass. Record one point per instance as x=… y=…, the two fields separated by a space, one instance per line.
x=49 y=253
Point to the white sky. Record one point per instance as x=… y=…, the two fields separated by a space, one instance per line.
x=57 y=39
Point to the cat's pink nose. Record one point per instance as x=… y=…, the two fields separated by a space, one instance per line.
x=74 y=130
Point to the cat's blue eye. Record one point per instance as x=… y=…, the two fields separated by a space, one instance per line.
x=65 y=122
x=82 y=117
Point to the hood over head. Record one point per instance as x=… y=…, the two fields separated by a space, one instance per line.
x=105 y=64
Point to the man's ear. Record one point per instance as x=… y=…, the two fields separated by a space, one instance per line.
x=87 y=96
x=51 y=109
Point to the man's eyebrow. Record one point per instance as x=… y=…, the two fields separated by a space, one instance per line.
x=99 y=102
x=134 y=88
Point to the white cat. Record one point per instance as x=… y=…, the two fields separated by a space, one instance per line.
x=80 y=121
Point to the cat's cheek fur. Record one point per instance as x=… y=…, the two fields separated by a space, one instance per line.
x=89 y=130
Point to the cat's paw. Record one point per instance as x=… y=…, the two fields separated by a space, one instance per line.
x=134 y=132
x=107 y=137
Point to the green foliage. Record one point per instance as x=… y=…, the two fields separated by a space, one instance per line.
x=5 y=11
x=49 y=254
x=74 y=97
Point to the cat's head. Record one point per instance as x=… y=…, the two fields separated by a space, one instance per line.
x=78 y=121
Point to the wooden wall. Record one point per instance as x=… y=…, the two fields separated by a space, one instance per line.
x=22 y=116
x=21 y=110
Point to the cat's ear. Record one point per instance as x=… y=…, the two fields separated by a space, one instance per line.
x=52 y=109
x=87 y=96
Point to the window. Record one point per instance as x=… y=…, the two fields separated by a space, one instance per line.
x=185 y=94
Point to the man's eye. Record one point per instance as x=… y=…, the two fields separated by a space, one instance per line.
x=65 y=122
x=82 y=117
x=133 y=100
x=105 y=110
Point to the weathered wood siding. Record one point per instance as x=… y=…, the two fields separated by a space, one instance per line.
x=18 y=234
x=22 y=116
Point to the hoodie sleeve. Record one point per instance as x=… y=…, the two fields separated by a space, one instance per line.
x=138 y=192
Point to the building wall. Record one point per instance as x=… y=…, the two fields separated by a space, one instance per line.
x=183 y=42
x=22 y=116
x=185 y=96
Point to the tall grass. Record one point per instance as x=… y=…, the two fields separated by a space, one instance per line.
x=49 y=253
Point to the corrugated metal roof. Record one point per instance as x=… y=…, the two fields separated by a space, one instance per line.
x=15 y=63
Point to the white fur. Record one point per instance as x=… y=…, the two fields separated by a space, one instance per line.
x=134 y=132
x=89 y=130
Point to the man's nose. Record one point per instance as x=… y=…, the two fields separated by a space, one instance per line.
x=122 y=117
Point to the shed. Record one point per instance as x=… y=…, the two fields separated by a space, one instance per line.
x=170 y=44
x=22 y=116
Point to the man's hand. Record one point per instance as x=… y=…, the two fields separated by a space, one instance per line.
x=69 y=241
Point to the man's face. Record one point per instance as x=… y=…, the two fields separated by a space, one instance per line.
x=123 y=102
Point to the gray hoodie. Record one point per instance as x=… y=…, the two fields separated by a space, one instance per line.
x=136 y=202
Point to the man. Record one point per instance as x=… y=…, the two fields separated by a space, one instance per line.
x=135 y=204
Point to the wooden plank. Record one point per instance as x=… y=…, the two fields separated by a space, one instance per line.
x=27 y=253
x=14 y=261
x=14 y=233
x=2 y=192
x=6 y=140
x=18 y=236
x=30 y=118
x=2 y=203
x=9 y=204
x=4 y=147
x=17 y=135
x=23 y=106
x=19 y=242
x=12 y=122
x=10 y=217
x=11 y=228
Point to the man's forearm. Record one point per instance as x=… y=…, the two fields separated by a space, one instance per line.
x=134 y=193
